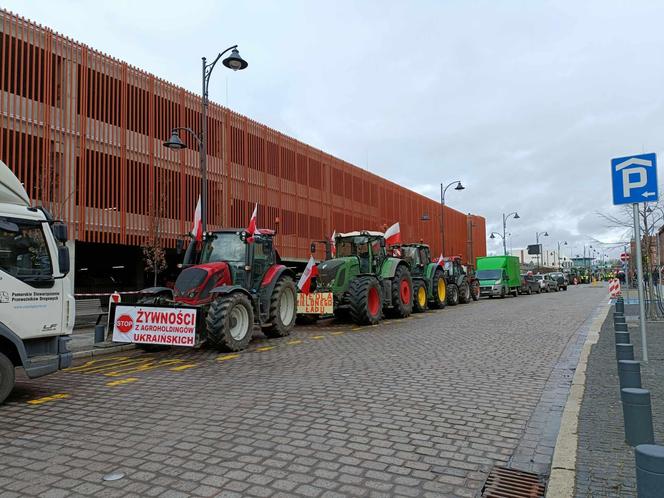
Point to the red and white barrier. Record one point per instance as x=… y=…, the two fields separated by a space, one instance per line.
x=614 y=287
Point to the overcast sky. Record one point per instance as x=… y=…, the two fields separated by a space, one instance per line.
x=525 y=101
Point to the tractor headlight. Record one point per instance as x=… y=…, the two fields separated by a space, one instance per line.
x=192 y=294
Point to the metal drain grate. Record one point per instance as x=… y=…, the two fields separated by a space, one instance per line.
x=509 y=483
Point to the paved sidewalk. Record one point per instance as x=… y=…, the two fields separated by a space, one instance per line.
x=605 y=463
x=82 y=344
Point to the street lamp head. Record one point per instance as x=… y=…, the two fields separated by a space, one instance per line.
x=546 y=234
x=565 y=242
x=235 y=61
x=174 y=142
x=425 y=217
x=459 y=187
x=516 y=216
x=492 y=236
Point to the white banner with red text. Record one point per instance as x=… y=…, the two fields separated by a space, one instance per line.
x=315 y=303
x=154 y=325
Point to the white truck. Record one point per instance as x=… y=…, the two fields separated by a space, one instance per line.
x=36 y=293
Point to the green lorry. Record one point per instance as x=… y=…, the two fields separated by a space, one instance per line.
x=499 y=275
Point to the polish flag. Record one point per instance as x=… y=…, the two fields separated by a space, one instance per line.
x=441 y=261
x=251 y=229
x=333 y=244
x=310 y=272
x=197 y=229
x=393 y=235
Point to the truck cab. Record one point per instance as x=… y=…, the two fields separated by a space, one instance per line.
x=499 y=276
x=36 y=292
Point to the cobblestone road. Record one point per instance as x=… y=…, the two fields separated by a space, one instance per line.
x=419 y=407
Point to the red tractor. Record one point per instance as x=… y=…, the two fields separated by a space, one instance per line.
x=236 y=283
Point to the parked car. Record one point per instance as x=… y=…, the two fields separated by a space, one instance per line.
x=546 y=283
x=529 y=285
x=560 y=279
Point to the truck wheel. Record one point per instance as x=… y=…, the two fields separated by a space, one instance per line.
x=365 y=301
x=530 y=291
x=7 y=377
x=439 y=290
x=402 y=293
x=230 y=322
x=283 y=312
x=475 y=290
x=452 y=295
x=464 y=293
x=420 y=300
x=502 y=293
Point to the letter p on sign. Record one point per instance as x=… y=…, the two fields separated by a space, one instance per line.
x=634 y=179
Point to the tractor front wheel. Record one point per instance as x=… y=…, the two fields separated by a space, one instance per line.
x=464 y=293
x=365 y=301
x=452 y=295
x=402 y=293
x=439 y=290
x=283 y=312
x=230 y=322
x=420 y=291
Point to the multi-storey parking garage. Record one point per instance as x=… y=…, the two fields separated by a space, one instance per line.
x=84 y=133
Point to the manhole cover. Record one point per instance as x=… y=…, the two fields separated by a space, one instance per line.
x=510 y=483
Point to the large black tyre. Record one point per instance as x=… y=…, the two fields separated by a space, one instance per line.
x=475 y=290
x=283 y=308
x=452 y=294
x=401 y=293
x=7 y=377
x=419 y=296
x=464 y=293
x=438 y=290
x=365 y=300
x=230 y=322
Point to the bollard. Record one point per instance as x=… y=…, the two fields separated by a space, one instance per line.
x=637 y=415
x=620 y=327
x=619 y=319
x=620 y=305
x=649 y=470
x=617 y=314
x=622 y=338
x=629 y=374
x=100 y=332
x=624 y=352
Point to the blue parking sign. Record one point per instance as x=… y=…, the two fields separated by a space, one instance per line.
x=634 y=179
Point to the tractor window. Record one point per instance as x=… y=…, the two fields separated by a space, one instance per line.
x=411 y=255
x=424 y=256
x=23 y=250
x=224 y=247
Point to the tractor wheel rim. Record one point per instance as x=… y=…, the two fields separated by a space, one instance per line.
x=287 y=307
x=404 y=290
x=239 y=322
x=441 y=290
x=421 y=297
x=373 y=301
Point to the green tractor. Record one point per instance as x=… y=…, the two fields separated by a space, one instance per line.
x=462 y=285
x=429 y=286
x=364 y=280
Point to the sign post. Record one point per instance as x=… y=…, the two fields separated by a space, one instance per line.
x=634 y=180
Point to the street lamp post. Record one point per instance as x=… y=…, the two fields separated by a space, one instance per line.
x=234 y=62
x=539 y=249
x=505 y=216
x=564 y=242
x=443 y=189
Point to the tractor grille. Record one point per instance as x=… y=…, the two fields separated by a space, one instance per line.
x=327 y=271
x=188 y=280
x=510 y=483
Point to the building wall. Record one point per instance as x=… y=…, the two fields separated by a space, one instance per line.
x=84 y=132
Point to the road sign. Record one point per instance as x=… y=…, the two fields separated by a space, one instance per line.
x=624 y=257
x=634 y=179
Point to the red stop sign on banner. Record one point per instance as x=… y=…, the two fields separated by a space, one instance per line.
x=624 y=257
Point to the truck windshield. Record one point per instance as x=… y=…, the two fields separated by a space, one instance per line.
x=224 y=247
x=23 y=250
x=489 y=274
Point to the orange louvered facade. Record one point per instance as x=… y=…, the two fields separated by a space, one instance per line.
x=84 y=132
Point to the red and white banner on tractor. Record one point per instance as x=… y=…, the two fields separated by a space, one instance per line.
x=310 y=272
x=197 y=229
x=614 y=287
x=155 y=325
x=393 y=235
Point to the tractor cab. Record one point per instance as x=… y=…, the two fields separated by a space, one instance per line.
x=367 y=247
x=417 y=255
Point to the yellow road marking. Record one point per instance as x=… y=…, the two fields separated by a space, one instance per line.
x=264 y=348
x=337 y=333
x=46 y=399
x=108 y=366
x=183 y=367
x=318 y=337
x=227 y=357
x=142 y=368
x=94 y=363
x=295 y=341
x=121 y=382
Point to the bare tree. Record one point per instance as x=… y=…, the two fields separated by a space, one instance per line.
x=154 y=255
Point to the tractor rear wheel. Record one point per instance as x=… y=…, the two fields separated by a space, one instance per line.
x=464 y=293
x=452 y=295
x=283 y=312
x=365 y=301
x=438 y=289
x=475 y=290
x=230 y=322
x=420 y=292
x=402 y=293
